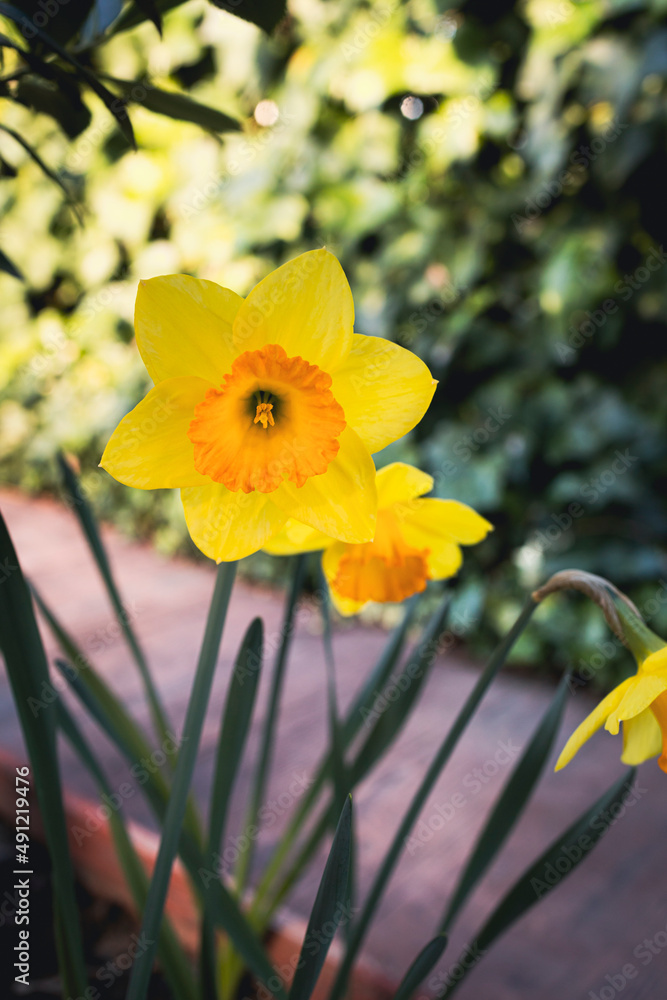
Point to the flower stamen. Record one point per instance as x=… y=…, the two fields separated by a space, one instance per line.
x=264 y=416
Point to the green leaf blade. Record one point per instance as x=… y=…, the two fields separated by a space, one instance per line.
x=425 y=961
x=511 y=803
x=27 y=670
x=328 y=909
x=178 y=106
x=573 y=847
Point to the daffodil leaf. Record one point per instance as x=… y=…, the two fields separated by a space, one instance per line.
x=27 y=670
x=110 y=714
x=335 y=730
x=512 y=802
x=107 y=710
x=76 y=499
x=351 y=725
x=427 y=958
x=425 y=788
x=176 y=805
x=232 y=739
x=269 y=729
x=329 y=909
x=388 y=714
x=555 y=864
x=176 y=967
x=235 y=726
x=379 y=676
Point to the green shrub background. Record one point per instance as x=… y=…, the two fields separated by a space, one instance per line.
x=510 y=235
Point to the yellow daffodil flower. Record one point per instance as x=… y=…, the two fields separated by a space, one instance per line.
x=416 y=540
x=640 y=703
x=265 y=408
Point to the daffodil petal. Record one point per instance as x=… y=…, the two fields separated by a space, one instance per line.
x=447 y=519
x=656 y=663
x=183 y=326
x=331 y=558
x=295 y=537
x=443 y=560
x=305 y=306
x=226 y=525
x=440 y=526
x=642 y=738
x=644 y=691
x=399 y=482
x=593 y=722
x=384 y=390
x=342 y=502
x=150 y=449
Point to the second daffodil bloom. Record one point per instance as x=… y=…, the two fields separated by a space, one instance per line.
x=417 y=539
x=640 y=703
x=265 y=408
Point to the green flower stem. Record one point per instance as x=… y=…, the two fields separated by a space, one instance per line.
x=268 y=736
x=350 y=727
x=442 y=756
x=187 y=759
x=88 y=524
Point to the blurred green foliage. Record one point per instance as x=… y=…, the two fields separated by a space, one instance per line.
x=491 y=178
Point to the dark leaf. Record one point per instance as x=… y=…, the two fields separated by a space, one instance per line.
x=9 y=267
x=138 y=12
x=556 y=863
x=174 y=105
x=427 y=958
x=64 y=17
x=34 y=155
x=27 y=670
x=511 y=803
x=264 y=13
x=115 y=104
x=50 y=98
x=329 y=908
